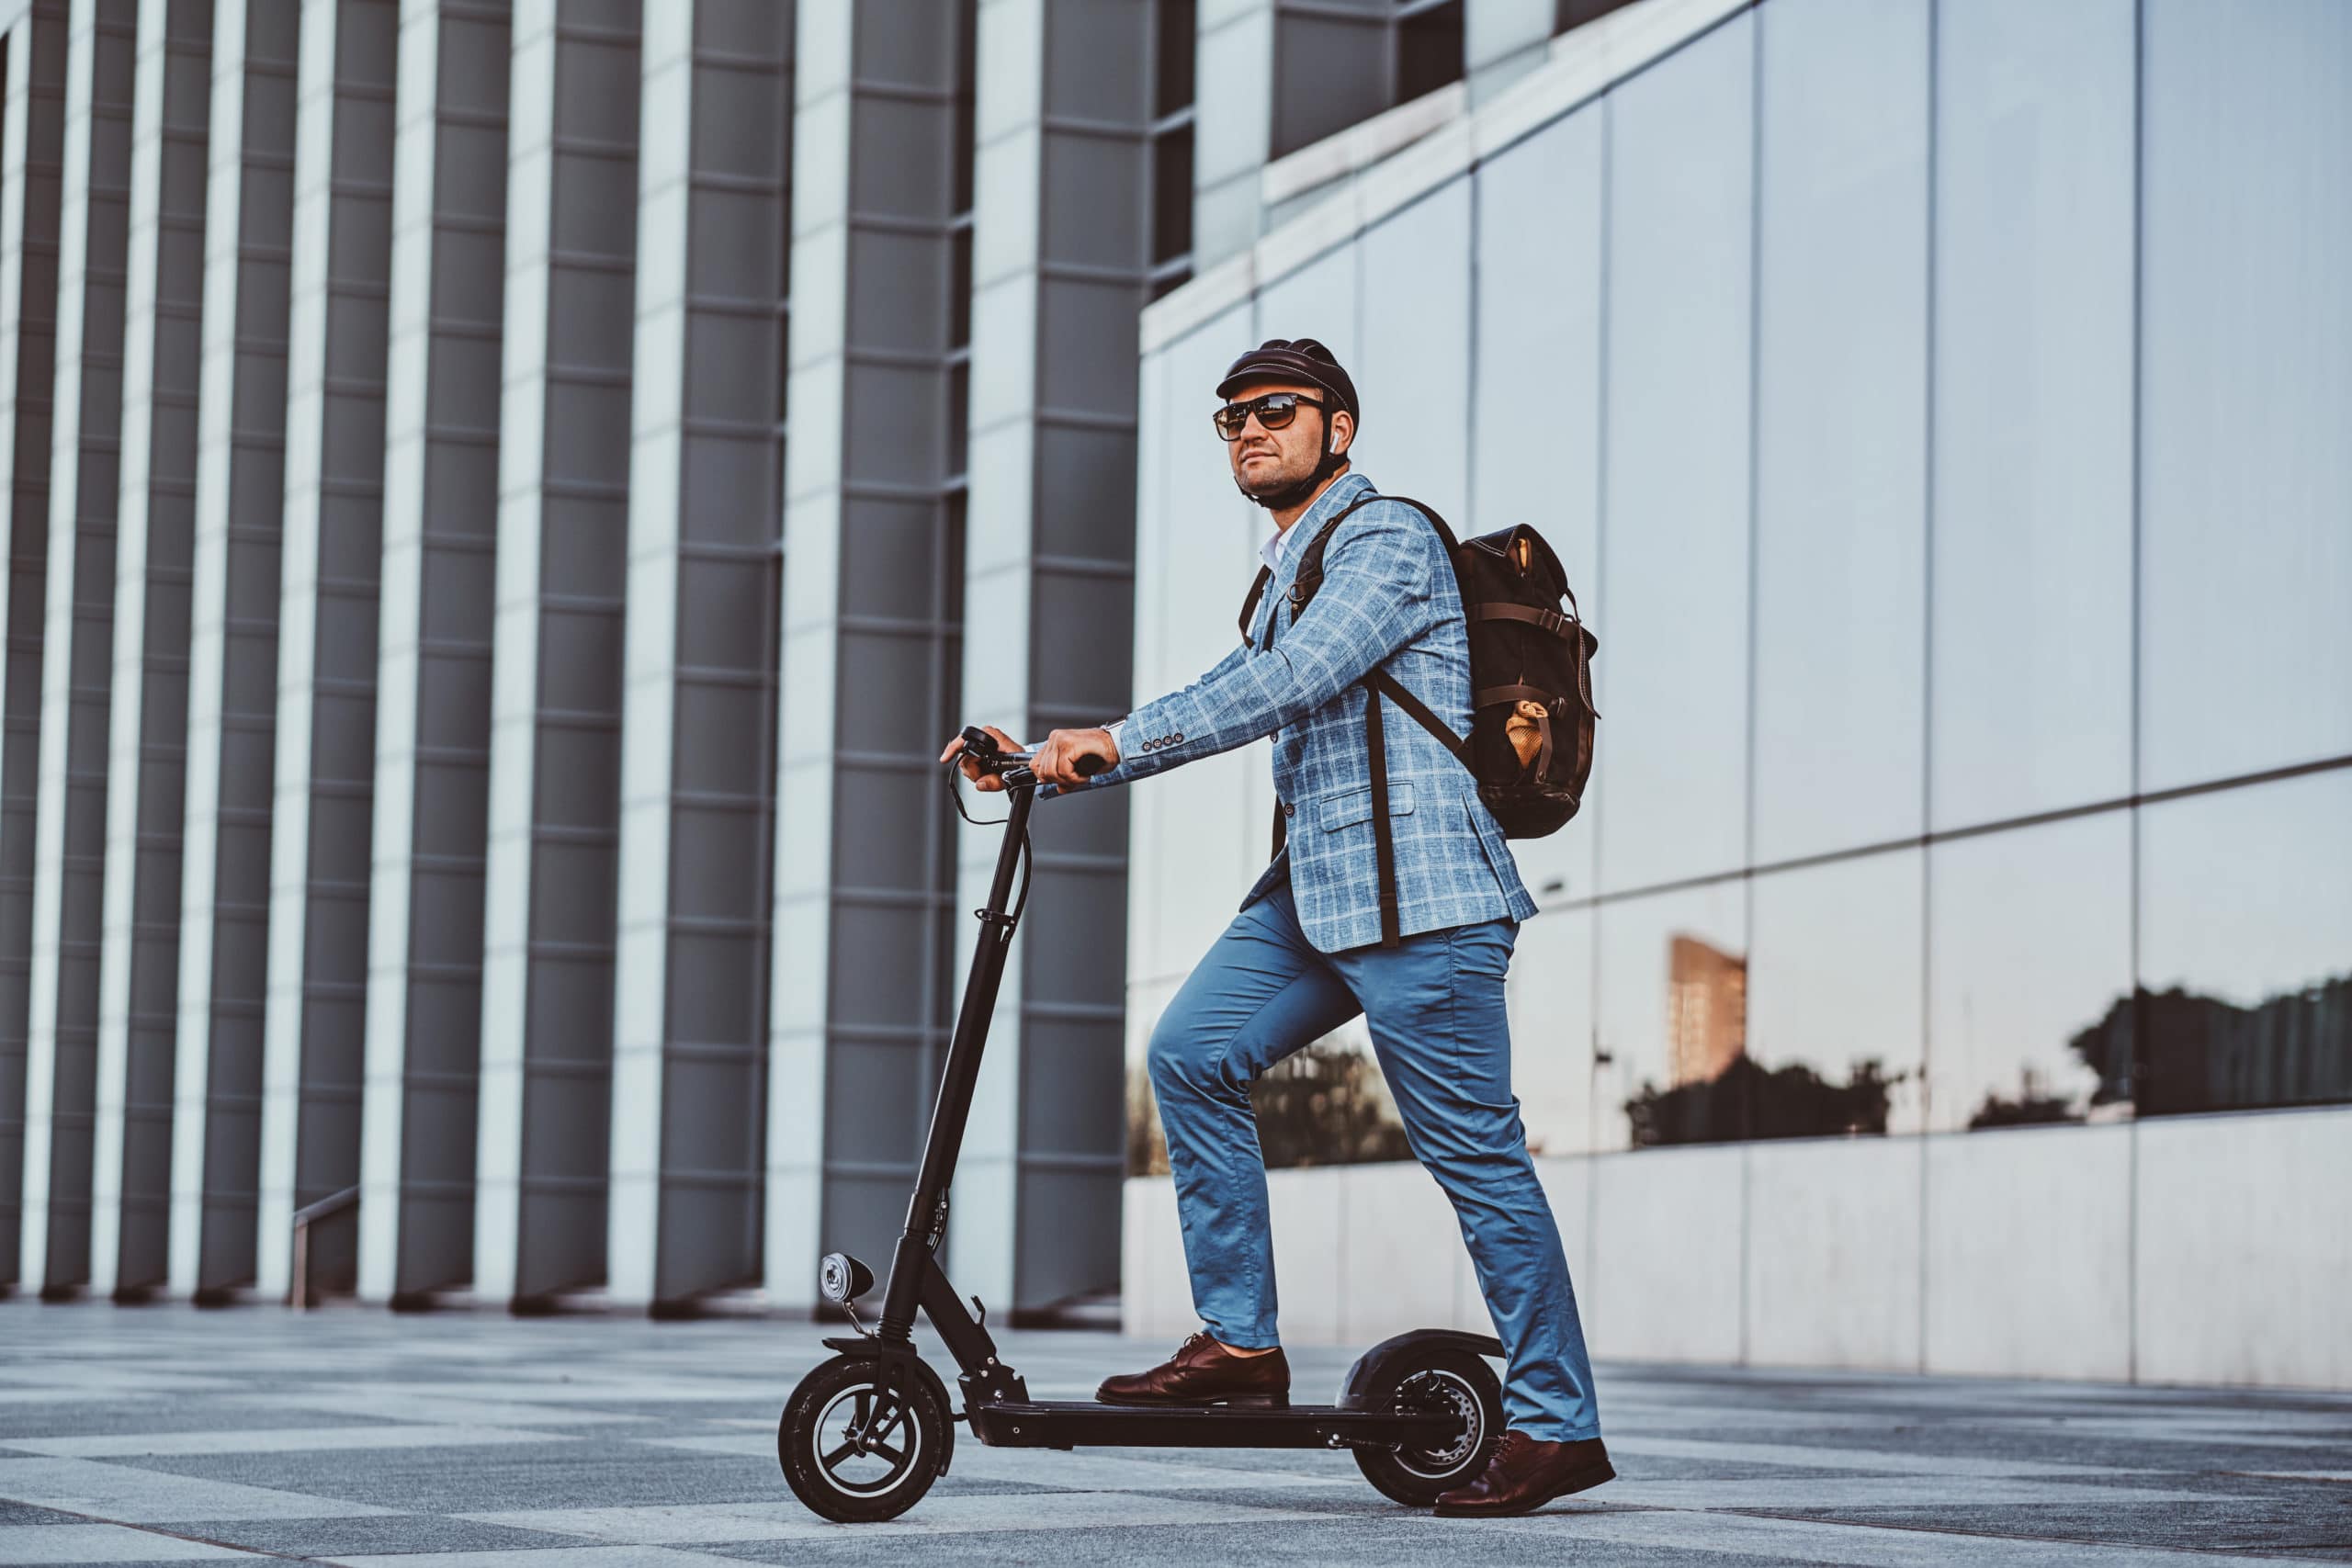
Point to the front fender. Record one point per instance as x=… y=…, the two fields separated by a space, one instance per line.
x=905 y=1358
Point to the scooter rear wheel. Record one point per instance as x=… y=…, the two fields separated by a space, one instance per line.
x=861 y=1440
x=1458 y=1383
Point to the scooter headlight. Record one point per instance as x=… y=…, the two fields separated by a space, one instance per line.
x=844 y=1279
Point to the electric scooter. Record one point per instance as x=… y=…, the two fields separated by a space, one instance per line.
x=865 y=1434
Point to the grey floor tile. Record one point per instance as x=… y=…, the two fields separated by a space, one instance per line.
x=376 y=1533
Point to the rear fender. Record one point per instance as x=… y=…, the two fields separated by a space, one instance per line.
x=1382 y=1365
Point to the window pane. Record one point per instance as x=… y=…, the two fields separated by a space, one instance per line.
x=1841 y=424
x=1414 y=379
x=1535 y=436
x=2032 y=572
x=1327 y=1104
x=1671 y=790
x=1673 y=1010
x=2030 y=974
x=2245 y=652
x=1173 y=57
x=1331 y=72
x=1429 y=50
x=1551 y=1031
x=2245 y=947
x=1171 y=195
x=1833 y=1003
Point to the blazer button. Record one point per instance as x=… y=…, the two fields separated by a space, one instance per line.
x=1288 y=809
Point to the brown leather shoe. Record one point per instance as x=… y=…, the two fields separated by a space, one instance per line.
x=1202 y=1372
x=1525 y=1474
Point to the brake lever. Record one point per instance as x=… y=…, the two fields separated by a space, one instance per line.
x=1013 y=767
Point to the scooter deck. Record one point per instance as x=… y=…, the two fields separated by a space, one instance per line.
x=1066 y=1424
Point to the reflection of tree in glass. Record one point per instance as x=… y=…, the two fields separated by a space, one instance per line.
x=2197 y=1053
x=1746 y=1101
x=2031 y=1107
x=1147 y=1144
x=2204 y=1054
x=1325 y=1105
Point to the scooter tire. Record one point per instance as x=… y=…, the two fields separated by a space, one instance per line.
x=861 y=1440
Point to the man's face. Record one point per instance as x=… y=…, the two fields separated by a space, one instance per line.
x=1266 y=460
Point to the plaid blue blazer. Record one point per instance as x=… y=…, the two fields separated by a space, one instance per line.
x=1388 y=599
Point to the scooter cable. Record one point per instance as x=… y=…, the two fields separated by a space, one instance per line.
x=955 y=793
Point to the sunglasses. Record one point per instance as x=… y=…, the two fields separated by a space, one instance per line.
x=1274 y=410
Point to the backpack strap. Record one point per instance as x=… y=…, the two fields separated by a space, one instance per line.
x=1549 y=620
x=1309 y=576
x=1388 y=686
x=1250 y=606
x=1384 y=847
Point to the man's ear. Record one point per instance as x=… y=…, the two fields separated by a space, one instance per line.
x=1342 y=431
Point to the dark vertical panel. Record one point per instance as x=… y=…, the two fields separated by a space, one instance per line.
x=37 y=123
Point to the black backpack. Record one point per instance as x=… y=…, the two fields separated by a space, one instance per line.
x=1528 y=661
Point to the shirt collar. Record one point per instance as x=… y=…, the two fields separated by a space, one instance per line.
x=1270 y=550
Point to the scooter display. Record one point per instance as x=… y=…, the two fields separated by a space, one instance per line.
x=865 y=1434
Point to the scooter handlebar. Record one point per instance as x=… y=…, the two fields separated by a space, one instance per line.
x=981 y=747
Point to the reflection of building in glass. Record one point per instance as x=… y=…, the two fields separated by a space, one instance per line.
x=1706 y=1009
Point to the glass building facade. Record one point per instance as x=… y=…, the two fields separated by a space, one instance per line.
x=1939 y=412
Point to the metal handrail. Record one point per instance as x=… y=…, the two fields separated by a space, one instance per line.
x=304 y=1217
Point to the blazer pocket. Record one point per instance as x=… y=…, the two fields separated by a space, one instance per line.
x=1347 y=809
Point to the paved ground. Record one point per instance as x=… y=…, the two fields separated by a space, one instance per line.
x=472 y=1440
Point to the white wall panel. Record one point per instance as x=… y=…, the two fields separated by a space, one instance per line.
x=2027 y=1260
x=2244 y=1250
x=1833 y=1253
x=1413 y=377
x=2245 y=387
x=1673 y=589
x=1667 y=1236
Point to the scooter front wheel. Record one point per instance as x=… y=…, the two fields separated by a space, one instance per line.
x=862 y=1439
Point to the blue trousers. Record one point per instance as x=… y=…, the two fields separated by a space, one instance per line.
x=1434 y=1005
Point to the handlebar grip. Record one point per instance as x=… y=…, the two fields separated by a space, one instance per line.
x=1090 y=765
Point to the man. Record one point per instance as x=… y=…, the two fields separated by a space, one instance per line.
x=1305 y=955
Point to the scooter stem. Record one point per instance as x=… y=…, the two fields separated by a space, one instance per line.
x=926 y=1224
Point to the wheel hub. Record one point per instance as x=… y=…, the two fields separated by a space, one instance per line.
x=1440 y=1391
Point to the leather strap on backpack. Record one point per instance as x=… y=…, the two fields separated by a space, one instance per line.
x=1388 y=686
x=1384 y=846
x=1250 y=606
